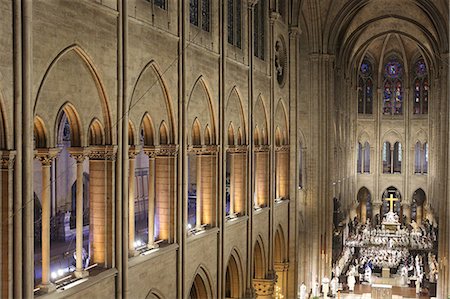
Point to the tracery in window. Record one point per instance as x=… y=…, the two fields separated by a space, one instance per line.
x=421 y=158
x=393 y=87
x=234 y=22
x=365 y=88
x=258 y=29
x=200 y=19
x=421 y=88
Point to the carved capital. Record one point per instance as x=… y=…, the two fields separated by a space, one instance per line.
x=294 y=31
x=103 y=152
x=79 y=153
x=133 y=151
x=168 y=150
x=7 y=159
x=262 y=148
x=46 y=155
x=236 y=149
x=263 y=287
x=274 y=16
x=150 y=151
x=281 y=267
x=252 y=3
x=282 y=148
x=204 y=149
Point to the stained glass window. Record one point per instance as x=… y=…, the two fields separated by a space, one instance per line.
x=234 y=22
x=193 y=12
x=160 y=3
x=198 y=19
x=393 y=87
x=230 y=21
x=258 y=30
x=365 y=88
x=421 y=87
x=205 y=15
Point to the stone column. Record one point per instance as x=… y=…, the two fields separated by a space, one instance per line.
x=238 y=168
x=261 y=159
x=281 y=270
x=283 y=171
x=278 y=161
x=151 y=197
x=165 y=191
x=232 y=183
x=46 y=157
x=208 y=191
x=79 y=154
x=101 y=198
x=6 y=222
x=363 y=210
x=198 y=205
x=133 y=151
x=419 y=214
x=407 y=213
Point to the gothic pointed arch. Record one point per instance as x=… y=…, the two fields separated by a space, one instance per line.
x=83 y=82
x=235 y=112
x=148 y=130
x=259 y=259
x=196 y=138
x=281 y=121
x=163 y=133
x=40 y=132
x=201 y=286
x=154 y=294
x=132 y=134
x=231 y=137
x=234 y=284
x=280 y=252
x=200 y=107
x=260 y=119
x=68 y=111
x=150 y=93
x=96 y=133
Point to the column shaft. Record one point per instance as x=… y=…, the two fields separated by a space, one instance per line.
x=151 y=202
x=198 y=214
x=45 y=243
x=131 y=197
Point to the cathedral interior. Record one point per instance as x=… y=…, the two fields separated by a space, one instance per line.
x=224 y=148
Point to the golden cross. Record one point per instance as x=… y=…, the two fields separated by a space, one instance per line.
x=391 y=201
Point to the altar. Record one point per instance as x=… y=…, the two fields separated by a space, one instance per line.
x=381 y=291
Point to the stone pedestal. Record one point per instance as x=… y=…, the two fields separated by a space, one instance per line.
x=381 y=291
x=385 y=272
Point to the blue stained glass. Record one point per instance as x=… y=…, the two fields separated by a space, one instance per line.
x=421 y=68
x=393 y=69
x=160 y=3
x=366 y=68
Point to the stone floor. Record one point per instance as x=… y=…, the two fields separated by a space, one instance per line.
x=363 y=292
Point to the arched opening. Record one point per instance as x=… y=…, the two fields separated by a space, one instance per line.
x=364 y=205
x=96 y=133
x=207 y=135
x=279 y=259
x=163 y=134
x=196 y=135
x=200 y=287
x=233 y=287
x=258 y=262
x=417 y=206
x=391 y=201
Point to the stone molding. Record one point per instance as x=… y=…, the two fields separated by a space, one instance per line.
x=46 y=155
x=161 y=150
x=262 y=148
x=133 y=151
x=204 y=149
x=263 y=287
x=281 y=267
x=79 y=153
x=103 y=152
x=237 y=149
x=7 y=159
x=282 y=148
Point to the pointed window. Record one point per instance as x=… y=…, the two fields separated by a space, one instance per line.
x=393 y=87
x=421 y=88
x=365 y=88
